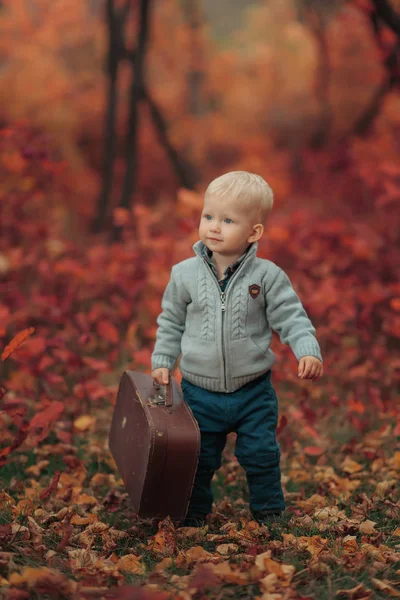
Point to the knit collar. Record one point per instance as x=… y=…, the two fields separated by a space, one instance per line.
x=199 y=248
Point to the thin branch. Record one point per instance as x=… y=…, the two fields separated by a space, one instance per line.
x=184 y=171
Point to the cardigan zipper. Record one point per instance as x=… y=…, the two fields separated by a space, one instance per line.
x=222 y=296
x=223 y=308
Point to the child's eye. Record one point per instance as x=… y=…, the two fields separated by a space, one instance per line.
x=206 y=217
x=228 y=219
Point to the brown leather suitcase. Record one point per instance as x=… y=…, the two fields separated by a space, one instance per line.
x=155 y=441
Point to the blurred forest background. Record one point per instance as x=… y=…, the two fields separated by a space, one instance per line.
x=114 y=117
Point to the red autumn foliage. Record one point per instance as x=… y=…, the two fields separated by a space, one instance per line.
x=76 y=310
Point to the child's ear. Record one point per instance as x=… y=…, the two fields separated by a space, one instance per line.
x=257 y=232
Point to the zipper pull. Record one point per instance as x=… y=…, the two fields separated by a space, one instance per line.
x=223 y=301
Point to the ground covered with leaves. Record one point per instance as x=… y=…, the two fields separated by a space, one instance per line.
x=67 y=528
x=76 y=311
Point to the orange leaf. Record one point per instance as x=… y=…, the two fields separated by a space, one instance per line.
x=281 y=424
x=121 y=216
x=21 y=435
x=16 y=341
x=355 y=406
x=395 y=304
x=313 y=450
x=106 y=330
x=41 y=422
x=52 y=486
x=95 y=363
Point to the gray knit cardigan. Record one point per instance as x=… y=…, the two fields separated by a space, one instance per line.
x=224 y=337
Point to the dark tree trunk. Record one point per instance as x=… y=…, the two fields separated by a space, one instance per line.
x=115 y=21
x=371 y=112
x=135 y=98
x=322 y=133
x=139 y=94
x=383 y=13
x=195 y=78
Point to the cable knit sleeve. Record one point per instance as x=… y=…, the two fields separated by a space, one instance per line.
x=171 y=323
x=286 y=315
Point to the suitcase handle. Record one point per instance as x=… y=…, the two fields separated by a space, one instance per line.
x=167 y=397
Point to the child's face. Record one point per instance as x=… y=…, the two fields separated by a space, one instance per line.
x=226 y=228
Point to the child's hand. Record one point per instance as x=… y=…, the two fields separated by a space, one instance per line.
x=310 y=368
x=161 y=375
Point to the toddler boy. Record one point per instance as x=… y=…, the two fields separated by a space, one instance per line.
x=218 y=310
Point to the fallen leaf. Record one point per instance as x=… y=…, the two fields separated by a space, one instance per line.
x=16 y=342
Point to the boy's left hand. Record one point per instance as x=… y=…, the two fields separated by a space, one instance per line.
x=310 y=368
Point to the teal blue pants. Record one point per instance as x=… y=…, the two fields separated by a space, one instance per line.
x=251 y=412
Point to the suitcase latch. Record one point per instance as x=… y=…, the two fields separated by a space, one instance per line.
x=160 y=396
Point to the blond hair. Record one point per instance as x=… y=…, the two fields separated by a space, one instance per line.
x=245 y=189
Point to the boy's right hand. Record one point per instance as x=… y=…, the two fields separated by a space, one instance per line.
x=161 y=375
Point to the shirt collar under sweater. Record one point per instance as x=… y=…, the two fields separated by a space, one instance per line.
x=202 y=250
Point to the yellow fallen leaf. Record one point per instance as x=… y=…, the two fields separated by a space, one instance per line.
x=5 y=500
x=44 y=576
x=367 y=527
x=225 y=572
x=269 y=584
x=82 y=558
x=329 y=513
x=370 y=550
x=396 y=532
x=383 y=487
x=314 y=544
x=188 y=532
x=97 y=527
x=226 y=549
x=351 y=466
x=269 y=596
x=260 y=558
x=350 y=543
x=35 y=470
x=86 y=499
x=384 y=586
x=197 y=552
x=164 y=564
x=24 y=507
x=84 y=422
x=311 y=503
x=131 y=563
x=396 y=461
x=117 y=534
x=77 y=520
x=100 y=479
x=359 y=592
